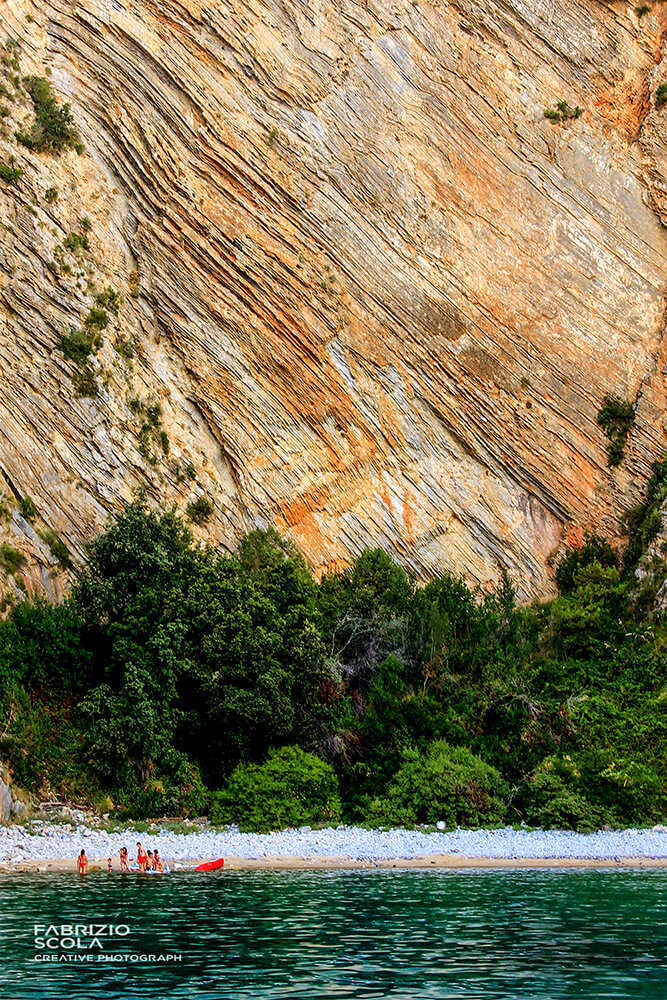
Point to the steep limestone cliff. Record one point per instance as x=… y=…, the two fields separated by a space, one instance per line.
x=376 y=294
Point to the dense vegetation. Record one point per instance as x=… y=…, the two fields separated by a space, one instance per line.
x=53 y=128
x=176 y=680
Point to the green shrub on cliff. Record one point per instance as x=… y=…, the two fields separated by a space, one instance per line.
x=199 y=511
x=644 y=521
x=562 y=112
x=11 y=559
x=53 y=128
x=10 y=174
x=78 y=345
x=616 y=416
x=594 y=549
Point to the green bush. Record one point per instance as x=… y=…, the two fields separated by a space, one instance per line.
x=292 y=788
x=634 y=791
x=643 y=522
x=27 y=508
x=125 y=347
x=150 y=431
x=177 y=791
x=590 y=620
x=57 y=547
x=11 y=558
x=85 y=384
x=10 y=174
x=53 y=128
x=553 y=799
x=97 y=319
x=109 y=299
x=594 y=549
x=199 y=511
x=76 y=241
x=661 y=96
x=616 y=417
x=562 y=112
x=444 y=783
x=78 y=345
x=43 y=747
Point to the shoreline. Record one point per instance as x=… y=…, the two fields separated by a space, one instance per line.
x=97 y=866
x=43 y=846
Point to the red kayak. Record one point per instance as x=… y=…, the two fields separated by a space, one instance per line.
x=210 y=866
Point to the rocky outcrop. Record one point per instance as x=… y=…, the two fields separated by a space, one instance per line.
x=378 y=296
x=10 y=804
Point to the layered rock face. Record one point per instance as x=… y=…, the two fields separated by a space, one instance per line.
x=377 y=295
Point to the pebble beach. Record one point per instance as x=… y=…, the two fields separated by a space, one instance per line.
x=52 y=846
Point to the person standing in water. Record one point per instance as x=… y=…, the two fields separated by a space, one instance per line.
x=82 y=862
x=142 y=857
x=124 y=867
x=158 y=863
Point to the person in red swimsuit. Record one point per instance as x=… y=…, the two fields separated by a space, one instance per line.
x=82 y=862
x=158 y=863
x=124 y=867
x=142 y=857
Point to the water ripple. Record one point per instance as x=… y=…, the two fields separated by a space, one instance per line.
x=435 y=935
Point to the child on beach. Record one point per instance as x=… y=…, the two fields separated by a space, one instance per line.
x=158 y=863
x=82 y=862
x=124 y=867
x=149 y=862
x=109 y=865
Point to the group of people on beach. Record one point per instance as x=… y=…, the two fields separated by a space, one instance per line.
x=147 y=861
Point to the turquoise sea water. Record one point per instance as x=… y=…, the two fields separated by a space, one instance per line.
x=422 y=935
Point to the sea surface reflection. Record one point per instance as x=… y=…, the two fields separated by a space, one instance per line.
x=414 y=934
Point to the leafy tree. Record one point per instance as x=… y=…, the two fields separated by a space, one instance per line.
x=594 y=549
x=591 y=620
x=138 y=549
